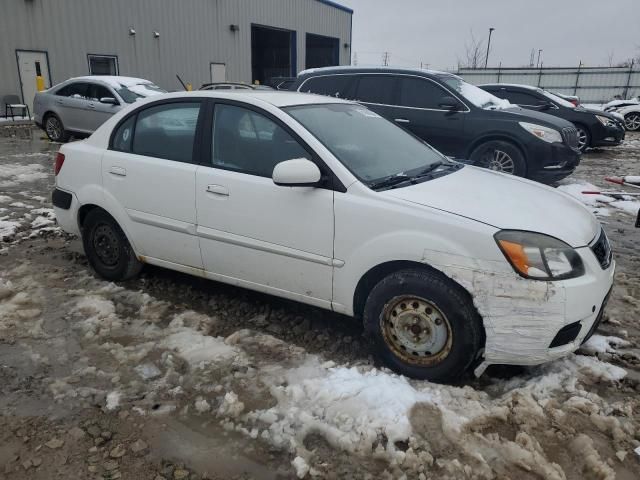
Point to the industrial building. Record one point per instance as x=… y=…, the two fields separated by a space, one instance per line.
x=199 y=40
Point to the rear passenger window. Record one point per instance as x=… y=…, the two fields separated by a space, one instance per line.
x=519 y=98
x=420 y=93
x=248 y=142
x=376 y=89
x=167 y=131
x=332 y=85
x=74 y=90
x=124 y=135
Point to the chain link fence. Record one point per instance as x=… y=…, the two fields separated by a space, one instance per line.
x=591 y=84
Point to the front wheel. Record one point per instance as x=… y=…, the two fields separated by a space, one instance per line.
x=584 y=138
x=500 y=156
x=107 y=248
x=632 y=121
x=423 y=325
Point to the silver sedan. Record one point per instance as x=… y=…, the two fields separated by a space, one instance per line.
x=80 y=105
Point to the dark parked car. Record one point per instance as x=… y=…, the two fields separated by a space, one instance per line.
x=457 y=118
x=595 y=127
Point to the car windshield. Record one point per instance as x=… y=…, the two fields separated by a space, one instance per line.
x=559 y=100
x=372 y=148
x=131 y=93
x=480 y=98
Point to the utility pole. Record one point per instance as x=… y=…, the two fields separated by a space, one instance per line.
x=538 y=62
x=385 y=59
x=355 y=58
x=532 y=57
x=486 y=61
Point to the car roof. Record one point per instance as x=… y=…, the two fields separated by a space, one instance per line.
x=112 y=80
x=516 y=85
x=372 y=69
x=277 y=98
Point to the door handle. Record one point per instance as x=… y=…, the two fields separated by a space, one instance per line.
x=59 y=102
x=218 y=190
x=402 y=120
x=92 y=106
x=119 y=171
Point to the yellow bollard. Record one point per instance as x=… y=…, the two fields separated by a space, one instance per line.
x=39 y=83
x=189 y=87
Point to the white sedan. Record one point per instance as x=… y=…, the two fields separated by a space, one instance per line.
x=319 y=200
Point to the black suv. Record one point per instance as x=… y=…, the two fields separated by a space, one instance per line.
x=457 y=118
x=595 y=127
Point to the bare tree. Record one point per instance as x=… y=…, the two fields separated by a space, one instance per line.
x=475 y=52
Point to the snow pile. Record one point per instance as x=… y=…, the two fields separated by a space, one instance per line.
x=599 y=203
x=603 y=344
x=8 y=229
x=15 y=173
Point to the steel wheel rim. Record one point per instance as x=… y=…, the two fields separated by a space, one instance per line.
x=53 y=128
x=632 y=122
x=416 y=330
x=106 y=245
x=582 y=138
x=501 y=161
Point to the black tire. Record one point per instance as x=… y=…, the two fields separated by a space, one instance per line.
x=491 y=155
x=584 y=137
x=107 y=248
x=632 y=121
x=447 y=301
x=54 y=128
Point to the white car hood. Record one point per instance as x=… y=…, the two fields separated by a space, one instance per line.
x=505 y=202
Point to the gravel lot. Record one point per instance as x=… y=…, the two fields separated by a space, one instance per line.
x=170 y=376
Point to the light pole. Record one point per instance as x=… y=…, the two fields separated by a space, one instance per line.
x=539 y=54
x=486 y=61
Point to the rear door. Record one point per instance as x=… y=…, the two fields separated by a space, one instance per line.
x=98 y=113
x=149 y=172
x=72 y=105
x=419 y=110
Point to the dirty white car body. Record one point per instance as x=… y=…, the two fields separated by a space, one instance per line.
x=316 y=245
x=631 y=116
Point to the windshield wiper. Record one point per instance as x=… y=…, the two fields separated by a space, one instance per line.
x=428 y=170
x=390 y=181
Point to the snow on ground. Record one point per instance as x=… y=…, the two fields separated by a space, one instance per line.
x=603 y=344
x=599 y=204
x=12 y=174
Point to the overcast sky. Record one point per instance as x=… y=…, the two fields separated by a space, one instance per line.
x=435 y=31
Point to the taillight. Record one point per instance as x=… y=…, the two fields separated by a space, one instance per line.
x=58 y=164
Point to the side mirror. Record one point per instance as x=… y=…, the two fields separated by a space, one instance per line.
x=296 y=173
x=109 y=100
x=449 y=103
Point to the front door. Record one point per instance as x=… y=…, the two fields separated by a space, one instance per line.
x=31 y=65
x=253 y=232
x=149 y=172
x=218 y=73
x=97 y=112
x=419 y=111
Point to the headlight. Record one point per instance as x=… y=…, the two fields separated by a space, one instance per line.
x=539 y=257
x=543 y=133
x=606 y=121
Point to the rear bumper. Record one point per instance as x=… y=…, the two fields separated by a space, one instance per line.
x=65 y=206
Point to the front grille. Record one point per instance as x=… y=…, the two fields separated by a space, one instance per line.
x=602 y=250
x=570 y=137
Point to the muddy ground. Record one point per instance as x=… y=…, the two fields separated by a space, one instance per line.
x=170 y=376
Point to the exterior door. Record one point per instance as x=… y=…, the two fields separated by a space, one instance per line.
x=253 y=232
x=149 y=171
x=419 y=111
x=31 y=65
x=218 y=73
x=98 y=113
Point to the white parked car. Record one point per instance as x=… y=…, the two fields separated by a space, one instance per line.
x=323 y=201
x=631 y=115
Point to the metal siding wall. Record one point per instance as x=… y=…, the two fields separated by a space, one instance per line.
x=193 y=33
x=596 y=85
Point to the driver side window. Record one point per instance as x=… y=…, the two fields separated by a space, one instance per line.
x=248 y=142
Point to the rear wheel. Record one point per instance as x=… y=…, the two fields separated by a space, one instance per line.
x=632 y=121
x=584 y=138
x=500 y=156
x=107 y=248
x=55 y=129
x=423 y=325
